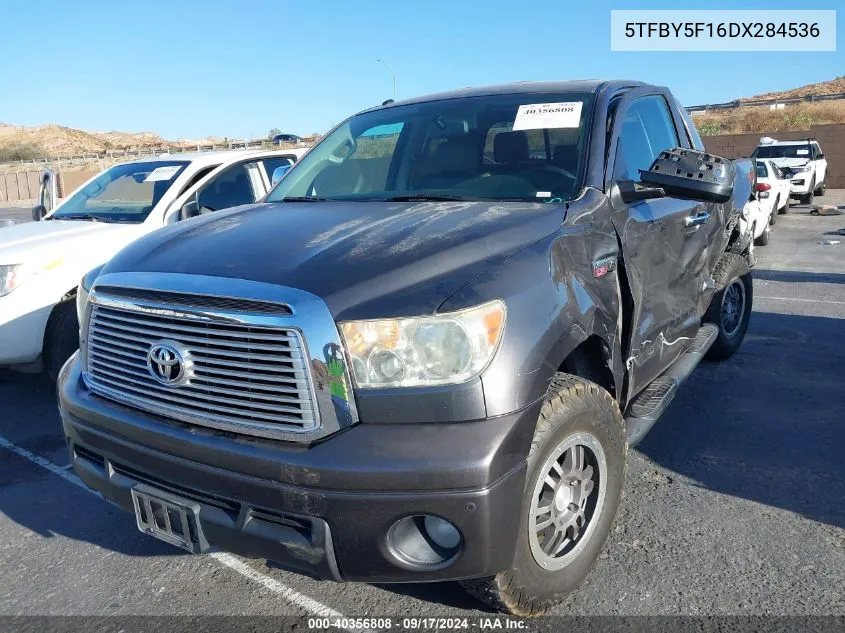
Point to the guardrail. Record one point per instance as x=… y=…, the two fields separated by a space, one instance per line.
x=154 y=150
x=737 y=103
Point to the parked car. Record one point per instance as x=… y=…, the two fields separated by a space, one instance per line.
x=419 y=360
x=773 y=187
x=41 y=262
x=287 y=138
x=802 y=161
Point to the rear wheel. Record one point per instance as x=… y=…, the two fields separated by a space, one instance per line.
x=730 y=308
x=764 y=236
x=61 y=338
x=576 y=470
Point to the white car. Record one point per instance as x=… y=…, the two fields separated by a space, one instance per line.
x=802 y=161
x=41 y=263
x=773 y=189
x=755 y=219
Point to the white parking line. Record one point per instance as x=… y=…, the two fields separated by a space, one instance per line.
x=227 y=560
x=836 y=303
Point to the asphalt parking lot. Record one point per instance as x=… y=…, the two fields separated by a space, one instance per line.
x=734 y=504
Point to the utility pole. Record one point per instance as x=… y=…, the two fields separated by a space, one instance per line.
x=392 y=73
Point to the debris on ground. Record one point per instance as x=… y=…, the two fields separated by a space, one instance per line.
x=829 y=242
x=827 y=209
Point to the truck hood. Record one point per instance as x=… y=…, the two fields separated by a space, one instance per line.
x=365 y=259
x=789 y=162
x=31 y=241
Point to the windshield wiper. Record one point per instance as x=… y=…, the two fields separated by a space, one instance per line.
x=302 y=199
x=434 y=197
x=83 y=216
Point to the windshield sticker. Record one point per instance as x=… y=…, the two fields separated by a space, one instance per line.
x=544 y=194
x=538 y=116
x=803 y=152
x=162 y=173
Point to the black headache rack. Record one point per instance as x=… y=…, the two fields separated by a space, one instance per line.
x=679 y=170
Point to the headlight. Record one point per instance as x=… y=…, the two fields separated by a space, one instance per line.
x=801 y=170
x=84 y=290
x=437 y=350
x=11 y=276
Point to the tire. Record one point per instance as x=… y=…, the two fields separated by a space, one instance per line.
x=764 y=237
x=785 y=209
x=808 y=199
x=774 y=215
x=732 y=276
x=61 y=338
x=576 y=413
x=822 y=188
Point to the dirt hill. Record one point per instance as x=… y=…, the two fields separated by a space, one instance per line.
x=56 y=141
x=834 y=86
x=764 y=119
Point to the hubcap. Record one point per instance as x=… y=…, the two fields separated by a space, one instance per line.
x=567 y=500
x=733 y=307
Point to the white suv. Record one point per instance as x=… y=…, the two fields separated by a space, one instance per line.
x=41 y=263
x=802 y=161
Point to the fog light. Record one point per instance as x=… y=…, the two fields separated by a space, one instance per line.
x=442 y=532
x=423 y=541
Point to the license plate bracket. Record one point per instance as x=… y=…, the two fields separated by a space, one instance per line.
x=169 y=518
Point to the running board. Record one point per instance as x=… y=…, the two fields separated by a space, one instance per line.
x=645 y=410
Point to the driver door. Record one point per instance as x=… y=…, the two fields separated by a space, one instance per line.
x=664 y=240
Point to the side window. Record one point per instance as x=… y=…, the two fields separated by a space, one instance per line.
x=816 y=151
x=202 y=173
x=229 y=189
x=271 y=164
x=647 y=129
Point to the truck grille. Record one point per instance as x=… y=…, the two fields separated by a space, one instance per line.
x=229 y=375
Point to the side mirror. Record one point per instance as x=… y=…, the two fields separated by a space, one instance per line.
x=190 y=209
x=689 y=173
x=819 y=156
x=629 y=191
x=38 y=212
x=278 y=173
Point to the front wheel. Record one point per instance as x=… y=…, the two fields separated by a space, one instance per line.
x=576 y=470
x=730 y=308
x=61 y=339
x=785 y=209
x=820 y=191
x=773 y=218
x=808 y=199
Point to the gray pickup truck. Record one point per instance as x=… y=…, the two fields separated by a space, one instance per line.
x=425 y=354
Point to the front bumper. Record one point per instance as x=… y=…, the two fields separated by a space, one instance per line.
x=23 y=319
x=799 y=184
x=325 y=509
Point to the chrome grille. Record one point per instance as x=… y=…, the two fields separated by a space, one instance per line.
x=242 y=377
x=197 y=301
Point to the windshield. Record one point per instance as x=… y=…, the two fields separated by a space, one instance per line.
x=783 y=151
x=501 y=147
x=123 y=193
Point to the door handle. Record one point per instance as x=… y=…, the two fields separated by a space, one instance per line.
x=696 y=220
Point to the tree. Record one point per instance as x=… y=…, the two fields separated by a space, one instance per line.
x=273 y=132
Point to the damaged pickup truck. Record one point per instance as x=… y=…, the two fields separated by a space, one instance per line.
x=425 y=355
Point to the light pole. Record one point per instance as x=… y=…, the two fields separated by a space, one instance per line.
x=392 y=73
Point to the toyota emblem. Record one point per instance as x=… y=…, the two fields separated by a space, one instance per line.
x=168 y=363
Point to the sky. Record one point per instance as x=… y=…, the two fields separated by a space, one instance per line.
x=193 y=68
